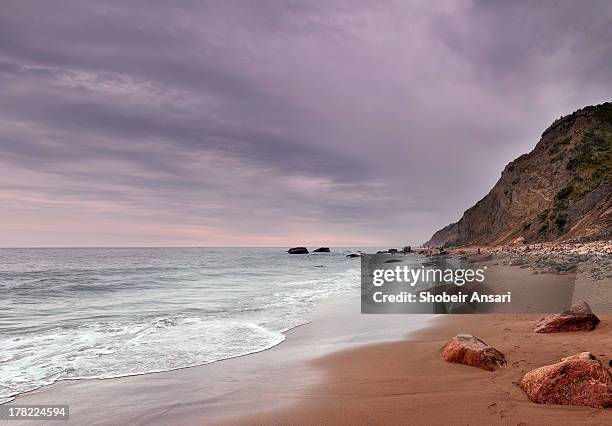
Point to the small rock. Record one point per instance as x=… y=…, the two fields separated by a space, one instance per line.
x=469 y=350
x=567 y=267
x=322 y=250
x=577 y=317
x=298 y=250
x=580 y=379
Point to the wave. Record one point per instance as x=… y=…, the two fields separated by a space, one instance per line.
x=151 y=323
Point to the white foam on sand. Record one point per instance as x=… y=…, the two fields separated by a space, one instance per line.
x=117 y=349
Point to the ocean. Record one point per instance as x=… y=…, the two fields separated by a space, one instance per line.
x=108 y=312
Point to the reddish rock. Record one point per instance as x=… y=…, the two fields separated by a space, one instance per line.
x=469 y=350
x=576 y=380
x=577 y=317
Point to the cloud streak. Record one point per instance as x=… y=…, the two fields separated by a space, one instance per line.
x=276 y=123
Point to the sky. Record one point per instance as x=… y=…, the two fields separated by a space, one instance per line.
x=277 y=123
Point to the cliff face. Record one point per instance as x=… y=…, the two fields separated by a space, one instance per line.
x=561 y=190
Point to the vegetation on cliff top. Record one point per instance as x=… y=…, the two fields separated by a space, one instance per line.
x=590 y=163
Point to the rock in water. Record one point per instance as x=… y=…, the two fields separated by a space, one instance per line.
x=576 y=380
x=322 y=250
x=298 y=250
x=577 y=317
x=469 y=350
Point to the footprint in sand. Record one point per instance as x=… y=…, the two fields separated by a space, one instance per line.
x=492 y=408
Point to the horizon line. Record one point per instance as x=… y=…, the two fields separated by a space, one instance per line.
x=134 y=247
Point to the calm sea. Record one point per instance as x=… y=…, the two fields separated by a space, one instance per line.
x=106 y=312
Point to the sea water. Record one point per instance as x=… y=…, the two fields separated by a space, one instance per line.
x=108 y=312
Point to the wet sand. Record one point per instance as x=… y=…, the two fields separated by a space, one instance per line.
x=227 y=389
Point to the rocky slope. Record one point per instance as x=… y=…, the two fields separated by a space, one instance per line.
x=562 y=190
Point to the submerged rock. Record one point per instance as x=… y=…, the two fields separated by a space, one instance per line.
x=469 y=350
x=353 y=255
x=298 y=250
x=580 y=379
x=322 y=250
x=577 y=317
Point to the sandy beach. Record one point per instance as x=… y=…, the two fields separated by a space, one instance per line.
x=407 y=382
x=347 y=368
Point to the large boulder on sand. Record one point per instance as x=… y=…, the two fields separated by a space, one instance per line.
x=577 y=317
x=322 y=250
x=576 y=380
x=469 y=350
x=298 y=250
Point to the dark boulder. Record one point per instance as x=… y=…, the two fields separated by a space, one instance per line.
x=322 y=250
x=298 y=250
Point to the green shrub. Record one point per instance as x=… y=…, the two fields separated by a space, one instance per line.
x=543 y=214
x=564 y=193
x=561 y=220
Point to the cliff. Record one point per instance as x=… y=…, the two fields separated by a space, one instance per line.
x=562 y=190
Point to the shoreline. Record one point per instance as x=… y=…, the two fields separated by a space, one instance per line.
x=227 y=388
x=315 y=366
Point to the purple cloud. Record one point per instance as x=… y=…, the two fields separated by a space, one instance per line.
x=277 y=123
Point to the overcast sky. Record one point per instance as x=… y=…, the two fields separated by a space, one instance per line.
x=277 y=123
